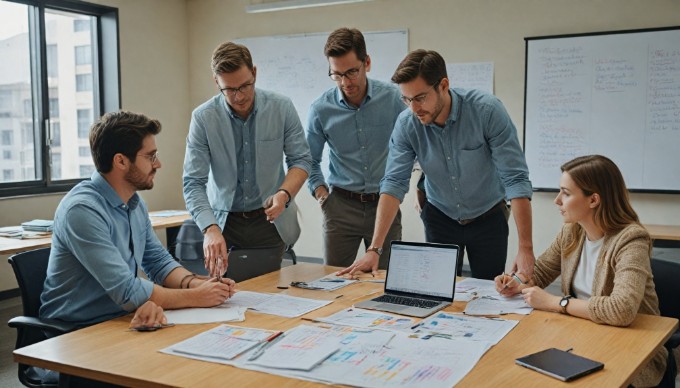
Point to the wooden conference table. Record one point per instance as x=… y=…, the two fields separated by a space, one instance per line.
x=10 y=246
x=664 y=232
x=109 y=352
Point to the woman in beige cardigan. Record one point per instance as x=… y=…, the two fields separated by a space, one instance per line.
x=602 y=254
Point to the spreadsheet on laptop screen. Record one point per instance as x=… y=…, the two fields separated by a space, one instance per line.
x=422 y=269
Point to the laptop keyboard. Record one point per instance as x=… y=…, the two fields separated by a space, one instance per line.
x=413 y=302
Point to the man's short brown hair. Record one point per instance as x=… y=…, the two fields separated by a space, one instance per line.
x=119 y=133
x=345 y=40
x=427 y=64
x=229 y=57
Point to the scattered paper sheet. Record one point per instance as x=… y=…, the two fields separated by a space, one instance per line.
x=367 y=318
x=220 y=313
x=275 y=304
x=222 y=342
x=448 y=325
x=498 y=305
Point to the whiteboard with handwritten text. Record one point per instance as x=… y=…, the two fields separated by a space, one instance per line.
x=615 y=94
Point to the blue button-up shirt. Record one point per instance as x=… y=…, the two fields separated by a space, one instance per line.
x=357 y=137
x=97 y=245
x=232 y=164
x=470 y=164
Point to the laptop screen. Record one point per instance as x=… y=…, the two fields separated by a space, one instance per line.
x=422 y=268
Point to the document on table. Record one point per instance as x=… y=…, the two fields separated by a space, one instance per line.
x=275 y=304
x=220 y=313
x=302 y=347
x=330 y=283
x=368 y=318
x=447 y=325
x=169 y=213
x=498 y=305
x=221 y=342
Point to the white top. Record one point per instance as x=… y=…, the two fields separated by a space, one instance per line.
x=583 y=278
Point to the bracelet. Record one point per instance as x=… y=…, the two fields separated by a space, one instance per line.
x=185 y=278
x=191 y=280
x=519 y=280
x=290 y=197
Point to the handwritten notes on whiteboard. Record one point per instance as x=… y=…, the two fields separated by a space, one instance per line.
x=614 y=94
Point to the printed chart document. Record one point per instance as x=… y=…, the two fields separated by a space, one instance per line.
x=369 y=318
x=330 y=283
x=275 y=304
x=447 y=325
x=219 y=313
x=302 y=347
x=223 y=342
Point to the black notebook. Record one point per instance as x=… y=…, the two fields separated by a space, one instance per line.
x=559 y=364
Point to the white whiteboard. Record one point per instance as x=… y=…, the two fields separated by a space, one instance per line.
x=615 y=94
x=295 y=65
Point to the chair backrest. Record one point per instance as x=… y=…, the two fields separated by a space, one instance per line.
x=189 y=242
x=667 y=282
x=30 y=269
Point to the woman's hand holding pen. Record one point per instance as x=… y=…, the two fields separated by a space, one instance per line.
x=509 y=284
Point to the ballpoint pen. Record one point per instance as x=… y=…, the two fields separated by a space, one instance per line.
x=267 y=343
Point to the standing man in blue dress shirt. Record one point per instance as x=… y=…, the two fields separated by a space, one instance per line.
x=355 y=119
x=235 y=186
x=102 y=235
x=468 y=149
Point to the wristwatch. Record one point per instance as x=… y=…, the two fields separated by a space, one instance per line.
x=564 y=302
x=377 y=250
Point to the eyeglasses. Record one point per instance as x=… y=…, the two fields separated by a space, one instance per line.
x=350 y=74
x=243 y=89
x=153 y=158
x=419 y=99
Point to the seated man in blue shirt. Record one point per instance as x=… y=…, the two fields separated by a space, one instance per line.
x=235 y=186
x=355 y=119
x=102 y=235
x=468 y=149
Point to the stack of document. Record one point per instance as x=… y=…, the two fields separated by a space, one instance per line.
x=38 y=225
x=11 y=231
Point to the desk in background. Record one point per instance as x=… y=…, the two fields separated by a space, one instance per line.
x=111 y=353
x=171 y=225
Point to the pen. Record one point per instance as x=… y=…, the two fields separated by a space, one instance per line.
x=332 y=280
x=416 y=325
x=267 y=343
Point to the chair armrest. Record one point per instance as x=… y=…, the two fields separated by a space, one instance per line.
x=48 y=325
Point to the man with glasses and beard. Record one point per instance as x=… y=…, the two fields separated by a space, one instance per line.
x=102 y=235
x=235 y=186
x=468 y=149
x=355 y=119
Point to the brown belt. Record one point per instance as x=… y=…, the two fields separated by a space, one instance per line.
x=250 y=214
x=361 y=197
x=499 y=206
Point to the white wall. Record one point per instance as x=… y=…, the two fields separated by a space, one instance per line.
x=166 y=47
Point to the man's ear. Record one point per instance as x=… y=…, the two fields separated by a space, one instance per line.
x=120 y=162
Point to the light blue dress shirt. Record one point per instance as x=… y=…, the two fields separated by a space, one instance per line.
x=357 y=137
x=232 y=164
x=470 y=164
x=97 y=245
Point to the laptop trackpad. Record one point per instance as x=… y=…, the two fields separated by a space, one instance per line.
x=390 y=307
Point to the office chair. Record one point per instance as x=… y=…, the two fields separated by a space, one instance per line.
x=30 y=269
x=666 y=274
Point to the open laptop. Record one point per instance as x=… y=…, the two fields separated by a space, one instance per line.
x=421 y=279
x=247 y=263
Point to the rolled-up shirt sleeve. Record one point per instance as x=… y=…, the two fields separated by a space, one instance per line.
x=295 y=145
x=93 y=248
x=400 y=162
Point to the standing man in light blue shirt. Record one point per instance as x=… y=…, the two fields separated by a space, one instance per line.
x=355 y=119
x=102 y=235
x=235 y=186
x=468 y=149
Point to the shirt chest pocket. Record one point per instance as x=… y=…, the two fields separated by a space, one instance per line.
x=269 y=151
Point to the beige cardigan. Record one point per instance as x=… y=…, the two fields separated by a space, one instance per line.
x=623 y=285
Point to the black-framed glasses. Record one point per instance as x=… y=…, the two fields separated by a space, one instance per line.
x=350 y=74
x=153 y=158
x=419 y=99
x=243 y=89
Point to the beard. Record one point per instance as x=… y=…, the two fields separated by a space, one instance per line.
x=138 y=180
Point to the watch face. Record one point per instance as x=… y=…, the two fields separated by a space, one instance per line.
x=564 y=302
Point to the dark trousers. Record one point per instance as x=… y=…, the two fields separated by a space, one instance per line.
x=255 y=232
x=348 y=223
x=485 y=239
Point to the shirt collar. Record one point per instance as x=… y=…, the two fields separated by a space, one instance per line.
x=233 y=115
x=456 y=101
x=340 y=98
x=106 y=191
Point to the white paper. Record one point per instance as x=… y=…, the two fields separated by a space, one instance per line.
x=330 y=283
x=447 y=325
x=370 y=319
x=220 y=313
x=276 y=304
x=302 y=347
x=498 y=305
x=225 y=342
